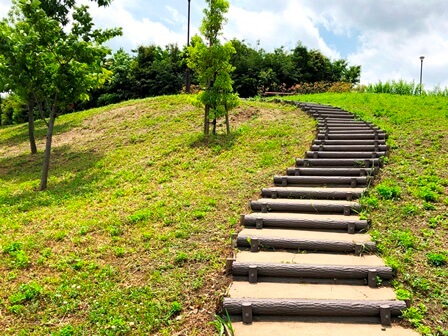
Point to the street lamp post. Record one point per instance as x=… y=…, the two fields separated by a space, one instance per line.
x=421 y=72
x=187 y=77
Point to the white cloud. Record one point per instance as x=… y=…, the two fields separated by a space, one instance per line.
x=284 y=27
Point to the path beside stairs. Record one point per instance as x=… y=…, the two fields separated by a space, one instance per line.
x=305 y=264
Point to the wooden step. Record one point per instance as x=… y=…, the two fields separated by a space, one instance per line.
x=341 y=181
x=251 y=270
x=343 y=155
x=300 y=307
x=305 y=205
x=303 y=240
x=349 y=142
x=371 y=261
x=350 y=224
x=304 y=291
x=318 y=326
x=319 y=171
x=313 y=192
x=354 y=136
x=350 y=148
x=340 y=162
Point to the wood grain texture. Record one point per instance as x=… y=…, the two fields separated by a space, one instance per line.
x=285 y=307
x=312 y=271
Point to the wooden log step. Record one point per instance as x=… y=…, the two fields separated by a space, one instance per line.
x=318 y=326
x=350 y=224
x=300 y=307
x=308 y=291
x=348 y=194
x=311 y=271
x=347 y=128
x=370 y=261
x=304 y=240
x=328 y=115
x=349 y=142
x=319 y=171
x=341 y=162
x=350 y=148
x=349 y=131
x=305 y=205
x=351 y=136
x=325 y=122
x=348 y=181
x=331 y=120
x=343 y=155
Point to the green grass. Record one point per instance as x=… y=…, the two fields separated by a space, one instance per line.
x=132 y=235
x=409 y=204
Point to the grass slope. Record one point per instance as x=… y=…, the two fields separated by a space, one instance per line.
x=132 y=234
x=409 y=204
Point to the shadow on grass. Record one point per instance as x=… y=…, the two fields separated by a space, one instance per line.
x=71 y=175
x=20 y=132
x=216 y=142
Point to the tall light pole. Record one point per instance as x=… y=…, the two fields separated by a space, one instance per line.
x=187 y=77
x=421 y=72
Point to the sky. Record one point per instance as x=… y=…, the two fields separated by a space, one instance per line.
x=386 y=38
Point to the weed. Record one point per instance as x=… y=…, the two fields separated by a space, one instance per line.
x=223 y=325
x=404 y=239
x=437 y=259
x=388 y=191
x=26 y=293
x=410 y=210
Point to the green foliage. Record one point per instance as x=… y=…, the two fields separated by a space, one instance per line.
x=388 y=191
x=211 y=62
x=437 y=259
x=405 y=239
x=415 y=314
x=223 y=325
x=401 y=87
x=25 y=293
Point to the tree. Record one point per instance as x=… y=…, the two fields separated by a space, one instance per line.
x=211 y=62
x=62 y=64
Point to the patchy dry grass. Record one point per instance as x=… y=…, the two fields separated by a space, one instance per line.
x=409 y=204
x=132 y=234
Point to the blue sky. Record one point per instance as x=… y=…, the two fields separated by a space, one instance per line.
x=385 y=37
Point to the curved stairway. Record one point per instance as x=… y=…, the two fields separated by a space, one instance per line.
x=305 y=264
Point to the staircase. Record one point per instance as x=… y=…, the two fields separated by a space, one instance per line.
x=305 y=264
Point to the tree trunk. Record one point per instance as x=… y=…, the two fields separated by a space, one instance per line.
x=206 y=121
x=214 y=126
x=227 y=122
x=31 y=126
x=46 y=165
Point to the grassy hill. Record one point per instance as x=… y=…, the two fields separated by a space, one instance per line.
x=409 y=204
x=132 y=234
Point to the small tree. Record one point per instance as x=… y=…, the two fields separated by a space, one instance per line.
x=211 y=62
x=62 y=64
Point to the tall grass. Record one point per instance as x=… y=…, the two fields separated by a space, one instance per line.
x=401 y=87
